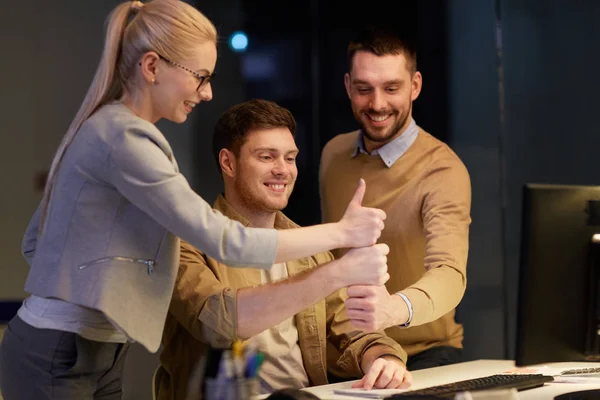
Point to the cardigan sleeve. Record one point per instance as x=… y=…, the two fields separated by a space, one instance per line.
x=146 y=175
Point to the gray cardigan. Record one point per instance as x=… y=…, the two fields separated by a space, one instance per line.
x=110 y=241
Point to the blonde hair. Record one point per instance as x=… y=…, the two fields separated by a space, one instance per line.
x=172 y=28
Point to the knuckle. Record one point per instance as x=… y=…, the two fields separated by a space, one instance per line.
x=388 y=373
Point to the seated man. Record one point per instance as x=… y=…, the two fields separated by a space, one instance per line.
x=290 y=311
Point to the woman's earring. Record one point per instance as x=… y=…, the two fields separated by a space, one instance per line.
x=153 y=80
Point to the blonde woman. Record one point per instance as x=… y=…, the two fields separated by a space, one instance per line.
x=103 y=245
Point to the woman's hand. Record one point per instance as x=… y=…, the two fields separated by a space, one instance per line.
x=361 y=226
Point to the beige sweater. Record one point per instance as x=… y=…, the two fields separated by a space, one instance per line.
x=426 y=194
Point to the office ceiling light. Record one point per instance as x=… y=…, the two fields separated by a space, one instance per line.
x=238 y=41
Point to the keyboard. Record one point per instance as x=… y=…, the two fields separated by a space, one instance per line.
x=581 y=371
x=501 y=381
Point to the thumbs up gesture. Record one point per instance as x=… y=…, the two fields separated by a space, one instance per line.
x=361 y=226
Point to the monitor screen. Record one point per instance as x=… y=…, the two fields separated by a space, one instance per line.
x=557 y=313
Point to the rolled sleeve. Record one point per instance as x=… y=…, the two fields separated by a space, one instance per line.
x=361 y=342
x=205 y=307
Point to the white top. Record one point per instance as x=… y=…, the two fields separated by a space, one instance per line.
x=61 y=315
x=282 y=366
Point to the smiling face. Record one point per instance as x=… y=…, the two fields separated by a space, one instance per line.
x=266 y=169
x=177 y=90
x=381 y=91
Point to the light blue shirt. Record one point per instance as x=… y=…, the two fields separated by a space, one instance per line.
x=392 y=151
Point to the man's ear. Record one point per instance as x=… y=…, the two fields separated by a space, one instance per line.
x=227 y=162
x=347 y=84
x=417 y=84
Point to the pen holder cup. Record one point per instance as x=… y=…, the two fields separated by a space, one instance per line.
x=230 y=389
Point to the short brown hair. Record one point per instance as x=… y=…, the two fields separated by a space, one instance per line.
x=380 y=42
x=233 y=126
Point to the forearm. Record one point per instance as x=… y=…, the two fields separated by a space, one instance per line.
x=359 y=227
x=375 y=352
x=438 y=292
x=304 y=242
x=263 y=307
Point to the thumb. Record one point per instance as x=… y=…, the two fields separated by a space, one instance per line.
x=383 y=248
x=360 y=193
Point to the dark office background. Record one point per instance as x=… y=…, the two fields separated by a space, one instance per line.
x=300 y=62
x=511 y=85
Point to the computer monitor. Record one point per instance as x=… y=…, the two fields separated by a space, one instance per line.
x=558 y=313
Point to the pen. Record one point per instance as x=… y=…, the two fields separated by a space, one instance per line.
x=249 y=358
x=254 y=364
x=238 y=358
x=260 y=357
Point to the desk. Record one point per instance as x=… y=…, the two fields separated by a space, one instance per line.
x=469 y=370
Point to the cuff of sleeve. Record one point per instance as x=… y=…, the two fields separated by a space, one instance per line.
x=392 y=355
x=218 y=319
x=384 y=351
x=410 y=310
x=350 y=359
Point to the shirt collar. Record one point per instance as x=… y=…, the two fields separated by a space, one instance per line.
x=222 y=205
x=392 y=151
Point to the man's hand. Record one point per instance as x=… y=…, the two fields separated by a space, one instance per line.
x=385 y=373
x=360 y=226
x=363 y=266
x=372 y=308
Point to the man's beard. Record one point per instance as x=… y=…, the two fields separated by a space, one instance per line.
x=393 y=131
x=254 y=201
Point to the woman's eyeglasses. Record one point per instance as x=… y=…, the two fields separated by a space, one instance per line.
x=202 y=79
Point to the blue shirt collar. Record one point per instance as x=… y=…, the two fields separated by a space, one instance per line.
x=392 y=151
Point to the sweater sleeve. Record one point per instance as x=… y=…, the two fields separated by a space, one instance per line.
x=140 y=169
x=353 y=344
x=446 y=219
